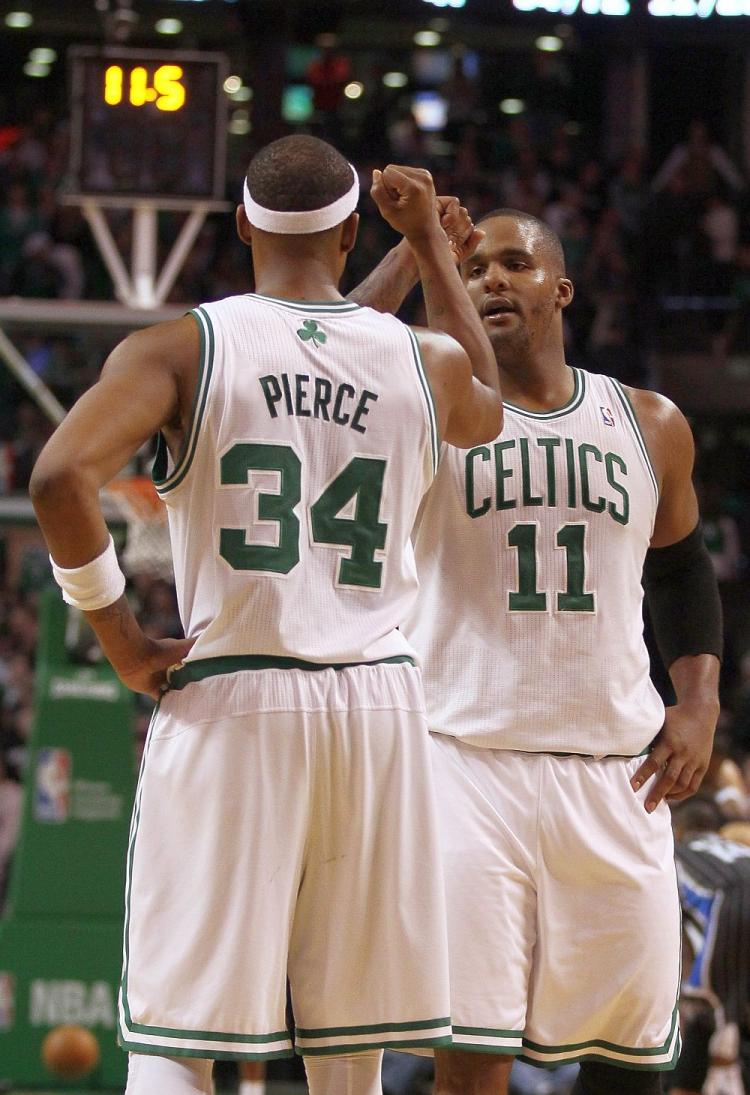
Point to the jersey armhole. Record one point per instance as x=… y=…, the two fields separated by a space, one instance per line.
x=429 y=400
x=165 y=481
x=632 y=419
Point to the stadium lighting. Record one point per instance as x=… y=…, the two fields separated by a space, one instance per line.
x=18 y=20
x=168 y=26
x=232 y=84
x=43 y=56
x=33 y=68
x=239 y=123
x=354 y=90
x=549 y=43
x=243 y=94
x=512 y=106
x=427 y=38
x=395 y=79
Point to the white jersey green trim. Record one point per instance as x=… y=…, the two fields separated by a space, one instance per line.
x=640 y=440
x=143 y=1038
x=215 y=1053
x=337 y=307
x=428 y=398
x=201 y=668
x=579 y=391
x=488 y=1040
x=163 y=482
x=655 y=1058
x=419 y=1033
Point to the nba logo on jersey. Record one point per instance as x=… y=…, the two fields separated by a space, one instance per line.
x=7 y=1000
x=607 y=416
x=52 y=785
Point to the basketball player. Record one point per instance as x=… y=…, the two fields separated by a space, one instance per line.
x=284 y=820
x=552 y=750
x=714 y=884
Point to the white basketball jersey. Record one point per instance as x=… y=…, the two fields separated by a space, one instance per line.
x=312 y=442
x=529 y=554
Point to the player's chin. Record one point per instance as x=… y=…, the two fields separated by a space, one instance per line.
x=503 y=337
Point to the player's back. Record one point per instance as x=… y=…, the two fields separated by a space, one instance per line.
x=290 y=509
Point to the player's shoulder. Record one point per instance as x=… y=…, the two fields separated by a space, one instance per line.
x=438 y=345
x=657 y=413
x=665 y=429
x=165 y=344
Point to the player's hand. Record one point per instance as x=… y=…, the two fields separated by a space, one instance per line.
x=147 y=672
x=458 y=226
x=680 y=756
x=406 y=198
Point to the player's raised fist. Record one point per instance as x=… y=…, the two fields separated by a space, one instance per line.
x=406 y=198
x=458 y=226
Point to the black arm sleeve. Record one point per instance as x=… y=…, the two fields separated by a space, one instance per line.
x=683 y=598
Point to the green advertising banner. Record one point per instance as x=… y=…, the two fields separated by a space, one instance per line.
x=61 y=936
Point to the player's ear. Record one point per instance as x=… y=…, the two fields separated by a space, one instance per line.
x=349 y=232
x=244 y=228
x=564 y=293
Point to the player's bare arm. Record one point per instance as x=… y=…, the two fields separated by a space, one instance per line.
x=146 y=385
x=471 y=404
x=467 y=410
x=388 y=285
x=682 y=749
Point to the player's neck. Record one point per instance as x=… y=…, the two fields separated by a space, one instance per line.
x=312 y=289
x=296 y=276
x=540 y=385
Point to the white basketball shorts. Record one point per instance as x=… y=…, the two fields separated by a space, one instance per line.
x=563 y=912
x=285 y=826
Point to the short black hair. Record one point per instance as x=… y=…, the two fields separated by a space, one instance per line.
x=550 y=239
x=298 y=173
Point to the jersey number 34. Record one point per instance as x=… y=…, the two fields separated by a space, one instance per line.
x=363 y=534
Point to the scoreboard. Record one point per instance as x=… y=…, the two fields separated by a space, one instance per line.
x=147 y=123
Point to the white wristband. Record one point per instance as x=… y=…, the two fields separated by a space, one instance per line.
x=94 y=585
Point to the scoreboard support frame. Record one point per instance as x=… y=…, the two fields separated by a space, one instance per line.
x=143 y=287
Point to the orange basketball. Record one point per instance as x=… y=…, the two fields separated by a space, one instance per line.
x=70 y=1051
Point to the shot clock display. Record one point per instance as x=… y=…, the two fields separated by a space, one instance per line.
x=168 y=92
x=147 y=123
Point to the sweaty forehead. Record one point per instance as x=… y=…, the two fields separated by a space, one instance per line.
x=510 y=234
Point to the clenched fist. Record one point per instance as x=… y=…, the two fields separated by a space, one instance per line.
x=406 y=198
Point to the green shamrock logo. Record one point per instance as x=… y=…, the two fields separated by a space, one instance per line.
x=310 y=332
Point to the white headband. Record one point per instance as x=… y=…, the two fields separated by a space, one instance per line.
x=309 y=220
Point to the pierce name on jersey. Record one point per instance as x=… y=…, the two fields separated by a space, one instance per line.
x=312 y=442
x=317 y=397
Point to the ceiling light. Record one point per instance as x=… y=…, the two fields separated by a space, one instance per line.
x=427 y=38
x=395 y=79
x=232 y=84
x=43 y=56
x=354 y=90
x=243 y=94
x=19 y=19
x=239 y=123
x=549 y=43
x=33 y=68
x=168 y=26
x=512 y=106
